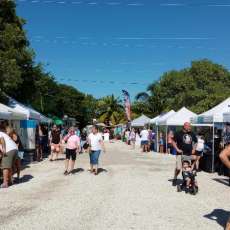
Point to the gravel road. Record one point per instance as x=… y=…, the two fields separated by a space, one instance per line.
x=133 y=191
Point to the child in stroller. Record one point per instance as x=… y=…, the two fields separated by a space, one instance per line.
x=189 y=184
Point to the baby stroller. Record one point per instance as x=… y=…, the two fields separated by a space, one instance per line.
x=189 y=184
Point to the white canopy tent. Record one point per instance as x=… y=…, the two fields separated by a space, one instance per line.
x=180 y=117
x=5 y=114
x=12 y=113
x=45 y=119
x=140 y=121
x=163 y=119
x=158 y=121
x=216 y=114
x=30 y=113
x=153 y=121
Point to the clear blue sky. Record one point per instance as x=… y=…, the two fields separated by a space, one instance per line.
x=104 y=46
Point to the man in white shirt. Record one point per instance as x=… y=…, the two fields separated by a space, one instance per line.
x=9 y=151
x=144 y=139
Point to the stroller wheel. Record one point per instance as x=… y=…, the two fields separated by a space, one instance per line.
x=194 y=190
x=179 y=189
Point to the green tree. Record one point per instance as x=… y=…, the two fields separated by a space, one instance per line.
x=14 y=54
x=199 y=88
x=110 y=108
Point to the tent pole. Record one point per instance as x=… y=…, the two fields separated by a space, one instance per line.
x=157 y=139
x=166 y=140
x=213 y=146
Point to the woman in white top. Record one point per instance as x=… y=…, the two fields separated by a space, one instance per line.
x=8 y=155
x=96 y=144
x=199 y=150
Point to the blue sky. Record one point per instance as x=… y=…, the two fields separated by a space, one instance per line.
x=104 y=46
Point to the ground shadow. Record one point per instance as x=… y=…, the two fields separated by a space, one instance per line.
x=101 y=170
x=220 y=216
x=59 y=159
x=178 y=182
x=78 y=170
x=25 y=178
x=225 y=181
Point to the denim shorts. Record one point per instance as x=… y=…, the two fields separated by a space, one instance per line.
x=94 y=156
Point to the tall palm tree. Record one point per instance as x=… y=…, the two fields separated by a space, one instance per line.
x=110 y=108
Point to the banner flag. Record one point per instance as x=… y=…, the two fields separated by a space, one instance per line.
x=127 y=104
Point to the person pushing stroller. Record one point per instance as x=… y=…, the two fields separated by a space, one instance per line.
x=184 y=142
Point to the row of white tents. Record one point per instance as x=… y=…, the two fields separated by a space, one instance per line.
x=171 y=118
x=218 y=115
x=17 y=111
x=24 y=120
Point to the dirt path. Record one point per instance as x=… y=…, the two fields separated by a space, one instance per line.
x=133 y=192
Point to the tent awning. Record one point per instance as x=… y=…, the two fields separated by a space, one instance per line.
x=180 y=117
x=163 y=119
x=216 y=114
x=30 y=113
x=153 y=121
x=11 y=113
x=140 y=121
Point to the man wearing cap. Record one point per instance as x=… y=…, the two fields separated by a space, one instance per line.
x=183 y=142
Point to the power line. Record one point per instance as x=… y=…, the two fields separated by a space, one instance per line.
x=117 y=3
x=103 y=82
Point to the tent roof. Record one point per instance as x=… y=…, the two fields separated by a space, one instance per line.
x=162 y=119
x=12 y=113
x=180 y=117
x=140 y=121
x=30 y=113
x=217 y=112
x=153 y=121
x=45 y=119
x=4 y=112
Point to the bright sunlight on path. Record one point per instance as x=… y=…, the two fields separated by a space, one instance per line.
x=132 y=192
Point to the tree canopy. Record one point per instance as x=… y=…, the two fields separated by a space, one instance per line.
x=27 y=81
x=199 y=88
x=110 y=108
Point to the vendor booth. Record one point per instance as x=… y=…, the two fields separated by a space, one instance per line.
x=140 y=121
x=176 y=119
x=27 y=124
x=160 y=121
x=215 y=118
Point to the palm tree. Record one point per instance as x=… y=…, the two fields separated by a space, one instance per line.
x=110 y=108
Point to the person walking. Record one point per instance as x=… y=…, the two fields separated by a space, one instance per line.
x=55 y=143
x=8 y=154
x=72 y=148
x=132 y=137
x=183 y=142
x=169 y=142
x=96 y=144
x=17 y=165
x=161 y=143
x=144 y=139
x=199 y=150
x=40 y=142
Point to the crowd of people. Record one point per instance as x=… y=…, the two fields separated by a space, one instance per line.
x=185 y=144
x=189 y=148
x=49 y=143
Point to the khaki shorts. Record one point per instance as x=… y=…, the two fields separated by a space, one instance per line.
x=180 y=158
x=9 y=159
